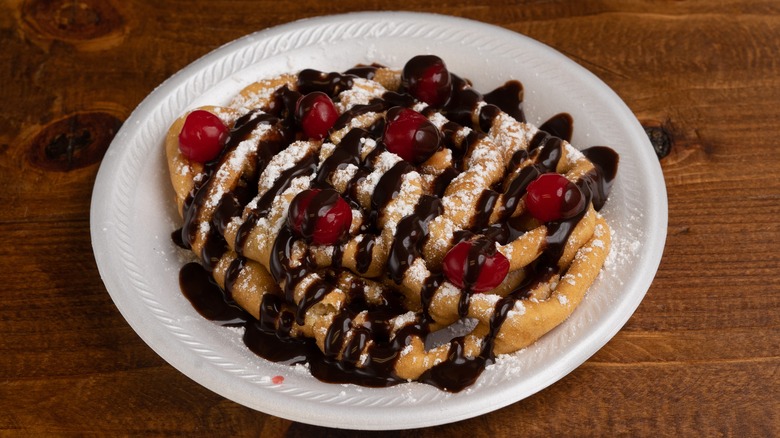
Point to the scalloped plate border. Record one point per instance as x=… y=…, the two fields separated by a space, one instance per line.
x=132 y=216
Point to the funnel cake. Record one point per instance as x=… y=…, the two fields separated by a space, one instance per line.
x=350 y=215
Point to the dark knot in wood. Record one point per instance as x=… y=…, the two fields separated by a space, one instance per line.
x=72 y=20
x=73 y=142
x=661 y=139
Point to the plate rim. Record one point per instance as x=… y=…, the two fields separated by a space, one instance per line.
x=99 y=221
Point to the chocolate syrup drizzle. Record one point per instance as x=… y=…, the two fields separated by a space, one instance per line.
x=340 y=360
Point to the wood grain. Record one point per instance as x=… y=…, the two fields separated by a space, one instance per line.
x=698 y=358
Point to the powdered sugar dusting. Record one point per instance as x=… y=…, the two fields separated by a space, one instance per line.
x=283 y=161
x=233 y=165
x=361 y=93
x=517 y=310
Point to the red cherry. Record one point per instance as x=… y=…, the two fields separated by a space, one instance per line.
x=552 y=197
x=202 y=137
x=475 y=265
x=410 y=135
x=321 y=217
x=427 y=79
x=316 y=114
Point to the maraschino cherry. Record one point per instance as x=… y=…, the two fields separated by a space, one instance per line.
x=426 y=78
x=410 y=135
x=316 y=114
x=321 y=217
x=552 y=197
x=202 y=137
x=475 y=265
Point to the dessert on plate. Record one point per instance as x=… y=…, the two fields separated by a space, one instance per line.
x=385 y=226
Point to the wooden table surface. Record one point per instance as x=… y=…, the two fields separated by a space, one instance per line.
x=700 y=357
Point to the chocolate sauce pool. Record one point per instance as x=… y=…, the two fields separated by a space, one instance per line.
x=269 y=336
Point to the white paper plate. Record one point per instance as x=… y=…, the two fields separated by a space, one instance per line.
x=132 y=215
